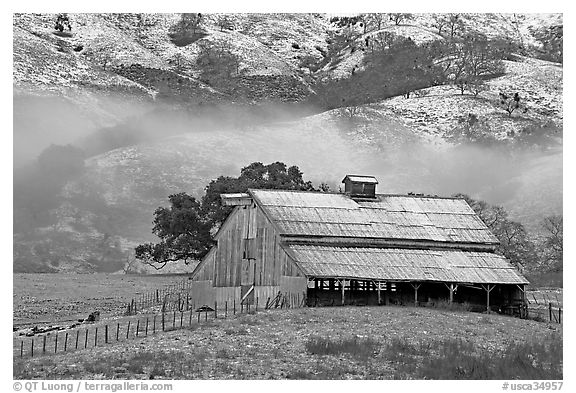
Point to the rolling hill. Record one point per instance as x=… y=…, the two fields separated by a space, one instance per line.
x=120 y=88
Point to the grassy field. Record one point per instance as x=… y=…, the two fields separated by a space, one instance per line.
x=51 y=298
x=324 y=343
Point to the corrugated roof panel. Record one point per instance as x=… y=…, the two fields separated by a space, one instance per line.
x=390 y=217
x=304 y=199
x=402 y=264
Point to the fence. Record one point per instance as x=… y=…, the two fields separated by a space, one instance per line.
x=102 y=333
x=171 y=298
x=546 y=309
x=179 y=298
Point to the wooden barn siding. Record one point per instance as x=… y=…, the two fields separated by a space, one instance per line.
x=230 y=270
x=223 y=271
x=206 y=271
x=202 y=292
x=293 y=285
x=227 y=295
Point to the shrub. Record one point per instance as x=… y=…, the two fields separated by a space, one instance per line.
x=356 y=346
x=446 y=305
x=458 y=359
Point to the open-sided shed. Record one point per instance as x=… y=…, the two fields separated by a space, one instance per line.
x=356 y=247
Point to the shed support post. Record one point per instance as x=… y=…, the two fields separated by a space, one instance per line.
x=342 y=282
x=488 y=288
x=452 y=288
x=415 y=286
x=377 y=284
x=521 y=288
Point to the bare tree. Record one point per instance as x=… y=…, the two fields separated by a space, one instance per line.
x=552 y=245
x=398 y=18
x=454 y=24
x=470 y=61
x=352 y=110
x=130 y=265
x=510 y=103
x=225 y=22
x=179 y=61
x=374 y=22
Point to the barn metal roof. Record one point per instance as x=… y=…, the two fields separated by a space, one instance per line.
x=393 y=264
x=402 y=217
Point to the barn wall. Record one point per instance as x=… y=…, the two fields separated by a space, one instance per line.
x=202 y=292
x=293 y=284
x=206 y=269
x=227 y=294
x=248 y=231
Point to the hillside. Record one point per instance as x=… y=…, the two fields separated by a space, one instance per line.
x=151 y=122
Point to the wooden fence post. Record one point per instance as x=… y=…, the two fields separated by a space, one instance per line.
x=22 y=348
x=163 y=318
x=154 y=325
x=86 y=340
x=128 y=330
x=226 y=309
x=181 y=318
x=32 y=348
x=256 y=304
x=56 y=343
x=137 y=327
x=44 y=344
x=106 y=334
x=174 y=320
x=198 y=316
x=146 y=326
x=190 y=321
x=77 y=336
x=96 y=337
x=215 y=309
x=66 y=342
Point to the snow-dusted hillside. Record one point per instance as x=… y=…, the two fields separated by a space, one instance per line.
x=115 y=69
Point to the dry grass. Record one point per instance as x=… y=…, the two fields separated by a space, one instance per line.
x=361 y=348
x=386 y=343
x=54 y=298
x=460 y=359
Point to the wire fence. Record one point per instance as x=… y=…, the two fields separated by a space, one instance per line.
x=545 y=308
x=126 y=328
x=172 y=298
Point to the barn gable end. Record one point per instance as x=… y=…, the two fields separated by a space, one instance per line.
x=249 y=254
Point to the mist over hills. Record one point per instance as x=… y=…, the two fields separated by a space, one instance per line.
x=131 y=94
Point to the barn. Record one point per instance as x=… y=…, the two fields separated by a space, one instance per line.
x=354 y=248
